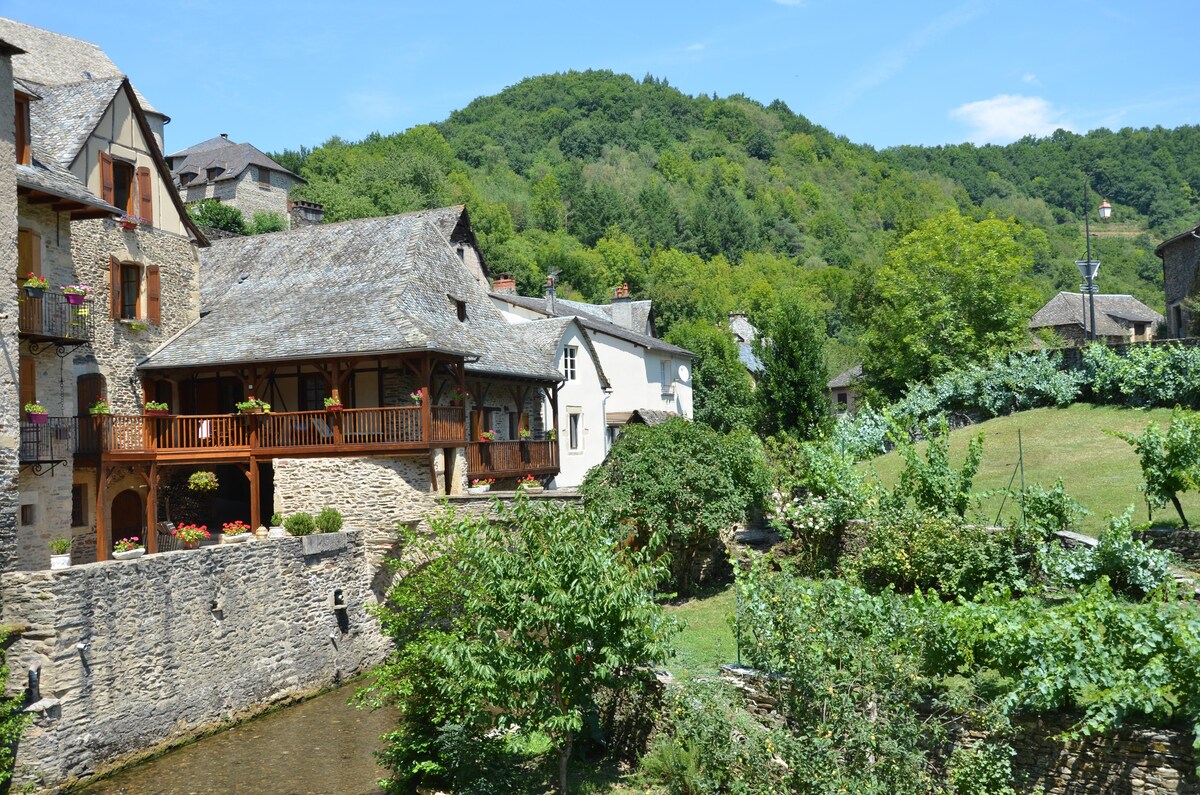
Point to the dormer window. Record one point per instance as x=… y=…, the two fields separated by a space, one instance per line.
x=123 y=186
x=212 y=173
x=21 y=122
x=461 y=308
x=186 y=178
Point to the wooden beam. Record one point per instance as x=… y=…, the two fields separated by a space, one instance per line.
x=43 y=198
x=103 y=542
x=255 y=495
x=152 y=511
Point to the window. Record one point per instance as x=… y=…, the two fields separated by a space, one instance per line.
x=569 y=355
x=79 y=505
x=186 y=177
x=461 y=308
x=213 y=173
x=21 y=123
x=27 y=515
x=312 y=392
x=575 y=429
x=1177 y=312
x=264 y=177
x=1139 y=329
x=514 y=425
x=123 y=186
x=131 y=286
x=28 y=381
x=126 y=281
x=29 y=254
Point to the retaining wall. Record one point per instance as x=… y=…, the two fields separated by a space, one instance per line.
x=1184 y=543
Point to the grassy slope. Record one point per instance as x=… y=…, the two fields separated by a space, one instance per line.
x=707 y=640
x=1100 y=471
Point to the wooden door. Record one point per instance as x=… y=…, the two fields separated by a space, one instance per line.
x=127 y=517
x=29 y=263
x=28 y=378
x=89 y=388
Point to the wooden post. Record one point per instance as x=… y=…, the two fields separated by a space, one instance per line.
x=102 y=534
x=152 y=511
x=255 y=495
x=426 y=399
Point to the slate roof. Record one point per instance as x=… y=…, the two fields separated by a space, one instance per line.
x=48 y=177
x=846 y=378
x=591 y=321
x=542 y=337
x=744 y=333
x=234 y=158
x=651 y=416
x=52 y=59
x=1068 y=309
x=370 y=286
x=65 y=116
x=1187 y=234
x=638 y=310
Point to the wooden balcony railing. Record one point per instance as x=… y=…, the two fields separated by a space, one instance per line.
x=512 y=459
x=53 y=318
x=448 y=423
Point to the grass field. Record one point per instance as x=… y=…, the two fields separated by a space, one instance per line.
x=1099 y=470
x=707 y=640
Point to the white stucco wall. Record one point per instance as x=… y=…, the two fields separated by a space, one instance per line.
x=583 y=395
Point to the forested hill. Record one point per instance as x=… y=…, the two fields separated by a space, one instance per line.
x=712 y=204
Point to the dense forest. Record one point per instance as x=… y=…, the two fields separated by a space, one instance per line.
x=708 y=205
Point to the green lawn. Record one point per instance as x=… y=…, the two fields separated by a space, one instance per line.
x=1100 y=471
x=707 y=640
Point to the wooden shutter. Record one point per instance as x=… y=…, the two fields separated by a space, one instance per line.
x=153 y=311
x=114 y=287
x=28 y=377
x=522 y=421
x=21 y=122
x=106 y=177
x=89 y=387
x=145 y=196
x=29 y=254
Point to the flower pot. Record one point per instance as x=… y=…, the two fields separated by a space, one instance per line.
x=156 y=412
x=129 y=554
x=235 y=539
x=74 y=299
x=477 y=489
x=533 y=489
x=334 y=408
x=250 y=411
x=191 y=544
x=38 y=418
x=276 y=532
x=129 y=225
x=60 y=561
x=35 y=292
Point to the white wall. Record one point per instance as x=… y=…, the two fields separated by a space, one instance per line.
x=585 y=396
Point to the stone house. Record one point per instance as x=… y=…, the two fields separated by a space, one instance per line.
x=643 y=372
x=87 y=155
x=1119 y=318
x=842 y=390
x=237 y=174
x=1180 y=257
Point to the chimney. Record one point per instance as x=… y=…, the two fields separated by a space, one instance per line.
x=225 y=136
x=305 y=213
x=622 y=308
x=505 y=284
x=550 y=292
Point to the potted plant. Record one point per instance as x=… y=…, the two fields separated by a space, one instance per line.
x=190 y=534
x=254 y=406
x=480 y=486
x=333 y=404
x=75 y=293
x=130 y=221
x=60 y=553
x=202 y=481
x=525 y=434
x=35 y=286
x=487 y=436
x=457 y=396
x=552 y=434
x=276 y=530
x=155 y=408
x=128 y=548
x=235 y=532
x=416 y=397
x=100 y=407
x=530 y=485
x=36 y=412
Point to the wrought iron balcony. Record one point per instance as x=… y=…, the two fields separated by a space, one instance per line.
x=55 y=319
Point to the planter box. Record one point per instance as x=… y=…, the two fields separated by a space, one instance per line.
x=157 y=412
x=35 y=292
x=129 y=554
x=60 y=561
x=75 y=299
x=237 y=539
x=478 y=489
x=533 y=489
x=334 y=408
x=276 y=532
x=38 y=418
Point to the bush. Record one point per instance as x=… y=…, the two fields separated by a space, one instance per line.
x=931 y=483
x=329 y=520
x=276 y=519
x=267 y=222
x=12 y=721
x=300 y=524
x=1170 y=461
x=1132 y=567
x=214 y=214
x=1147 y=375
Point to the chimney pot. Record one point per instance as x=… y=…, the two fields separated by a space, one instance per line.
x=505 y=284
x=225 y=136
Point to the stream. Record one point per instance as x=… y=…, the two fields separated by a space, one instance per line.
x=318 y=747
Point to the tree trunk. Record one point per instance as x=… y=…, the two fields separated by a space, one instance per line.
x=1179 y=510
x=564 y=754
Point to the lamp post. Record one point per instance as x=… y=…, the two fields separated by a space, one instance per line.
x=1089 y=267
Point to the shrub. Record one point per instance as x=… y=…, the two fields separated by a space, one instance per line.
x=267 y=222
x=12 y=721
x=213 y=213
x=276 y=519
x=300 y=524
x=931 y=483
x=1158 y=375
x=1170 y=462
x=329 y=520
x=1132 y=567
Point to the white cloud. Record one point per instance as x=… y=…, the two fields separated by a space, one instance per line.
x=1029 y=77
x=695 y=47
x=1006 y=117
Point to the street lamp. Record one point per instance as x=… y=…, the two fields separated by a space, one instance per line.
x=1089 y=267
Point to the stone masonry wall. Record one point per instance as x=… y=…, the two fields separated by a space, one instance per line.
x=10 y=418
x=133 y=655
x=1184 y=543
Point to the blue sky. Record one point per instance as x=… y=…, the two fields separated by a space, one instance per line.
x=285 y=74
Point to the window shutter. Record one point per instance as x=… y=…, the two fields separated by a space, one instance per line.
x=145 y=196
x=29 y=254
x=523 y=421
x=22 y=131
x=153 y=312
x=28 y=375
x=106 y=177
x=114 y=287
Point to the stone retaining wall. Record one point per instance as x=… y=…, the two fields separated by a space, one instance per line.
x=132 y=655
x=1184 y=543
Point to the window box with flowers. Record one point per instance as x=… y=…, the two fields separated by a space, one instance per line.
x=530 y=485
x=36 y=412
x=156 y=408
x=99 y=407
x=254 y=406
x=333 y=404
x=457 y=396
x=35 y=286
x=128 y=548
x=487 y=436
x=525 y=434
x=190 y=535
x=416 y=397
x=480 y=486
x=130 y=222
x=235 y=532
x=76 y=293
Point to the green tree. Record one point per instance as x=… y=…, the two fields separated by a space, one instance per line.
x=12 y=721
x=677 y=485
x=1170 y=461
x=268 y=222
x=954 y=291
x=547 y=204
x=558 y=608
x=212 y=213
x=791 y=391
x=722 y=391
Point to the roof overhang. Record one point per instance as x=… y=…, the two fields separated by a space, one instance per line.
x=77 y=208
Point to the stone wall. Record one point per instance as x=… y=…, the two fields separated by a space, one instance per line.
x=250 y=196
x=10 y=417
x=133 y=655
x=1184 y=543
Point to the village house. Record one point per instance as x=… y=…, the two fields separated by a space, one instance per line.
x=842 y=390
x=1180 y=257
x=240 y=175
x=1119 y=319
x=643 y=372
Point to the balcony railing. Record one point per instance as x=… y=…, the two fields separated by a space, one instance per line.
x=57 y=439
x=53 y=318
x=512 y=459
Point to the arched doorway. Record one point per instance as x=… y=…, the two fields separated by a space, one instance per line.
x=127 y=516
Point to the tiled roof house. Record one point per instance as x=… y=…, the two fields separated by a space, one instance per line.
x=1119 y=318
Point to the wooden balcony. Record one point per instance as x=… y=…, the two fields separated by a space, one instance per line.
x=290 y=434
x=512 y=459
x=53 y=320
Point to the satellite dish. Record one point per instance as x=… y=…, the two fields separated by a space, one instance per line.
x=683 y=373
